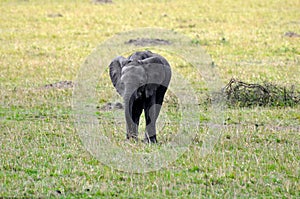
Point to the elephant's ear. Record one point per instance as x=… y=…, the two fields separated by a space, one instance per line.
x=156 y=74
x=115 y=68
x=155 y=70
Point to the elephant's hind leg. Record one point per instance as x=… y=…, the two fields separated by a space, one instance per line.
x=151 y=113
x=152 y=109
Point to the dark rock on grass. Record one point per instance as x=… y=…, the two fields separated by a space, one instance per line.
x=111 y=106
x=291 y=34
x=118 y=105
x=148 y=42
x=60 y=85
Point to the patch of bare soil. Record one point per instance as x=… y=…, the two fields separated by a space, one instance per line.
x=54 y=15
x=101 y=1
x=291 y=34
x=60 y=85
x=148 y=42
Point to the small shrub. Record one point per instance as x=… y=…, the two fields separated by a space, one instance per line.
x=241 y=94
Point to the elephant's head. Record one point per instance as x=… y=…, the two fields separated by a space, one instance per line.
x=135 y=77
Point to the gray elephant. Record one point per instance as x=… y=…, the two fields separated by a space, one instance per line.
x=142 y=80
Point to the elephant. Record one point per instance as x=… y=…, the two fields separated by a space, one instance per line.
x=142 y=80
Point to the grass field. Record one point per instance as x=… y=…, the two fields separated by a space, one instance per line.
x=43 y=42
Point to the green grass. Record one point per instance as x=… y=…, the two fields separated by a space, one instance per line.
x=41 y=155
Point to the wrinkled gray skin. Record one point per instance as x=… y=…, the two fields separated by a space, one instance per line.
x=142 y=80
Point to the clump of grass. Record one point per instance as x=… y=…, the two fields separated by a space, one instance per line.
x=242 y=94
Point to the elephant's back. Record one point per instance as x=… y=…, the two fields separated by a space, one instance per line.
x=144 y=55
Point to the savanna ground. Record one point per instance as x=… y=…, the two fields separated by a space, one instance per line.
x=42 y=42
